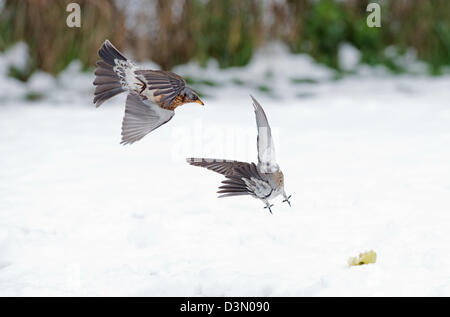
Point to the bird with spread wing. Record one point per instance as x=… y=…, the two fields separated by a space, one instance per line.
x=152 y=98
x=263 y=181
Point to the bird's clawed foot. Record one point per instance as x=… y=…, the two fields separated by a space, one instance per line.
x=268 y=206
x=286 y=199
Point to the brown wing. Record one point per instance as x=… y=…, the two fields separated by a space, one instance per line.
x=167 y=84
x=224 y=167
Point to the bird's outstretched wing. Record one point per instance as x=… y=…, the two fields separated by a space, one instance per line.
x=167 y=84
x=224 y=167
x=241 y=178
x=266 y=149
x=246 y=180
x=142 y=117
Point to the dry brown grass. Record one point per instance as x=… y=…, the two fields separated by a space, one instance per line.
x=227 y=30
x=42 y=24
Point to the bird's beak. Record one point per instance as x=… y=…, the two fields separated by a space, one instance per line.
x=200 y=102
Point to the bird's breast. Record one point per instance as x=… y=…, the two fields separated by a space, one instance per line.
x=278 y=178
x=178 y=101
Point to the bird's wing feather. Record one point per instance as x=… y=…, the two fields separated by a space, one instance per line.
x=142 y=117
x=246 y=180
x=266 y=149
x=224 y=167
x=164 y=83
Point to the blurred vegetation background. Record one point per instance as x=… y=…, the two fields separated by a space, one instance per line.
x=171 y=32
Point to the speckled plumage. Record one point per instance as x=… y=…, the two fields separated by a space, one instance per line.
x=178 y=101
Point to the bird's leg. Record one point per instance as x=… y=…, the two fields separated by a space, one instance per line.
x=268 y=205
x=286 y=199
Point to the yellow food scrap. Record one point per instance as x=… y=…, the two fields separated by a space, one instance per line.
x=363 y=258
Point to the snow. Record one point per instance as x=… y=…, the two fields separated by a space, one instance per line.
x=272 y=70
x=365 y=159
x=17 y=56
x=41 y=82
x=348 y=57
x=407 y=61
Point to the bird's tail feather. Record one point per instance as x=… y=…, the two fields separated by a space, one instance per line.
x=233 y=186
x=108 y=77
x=110 y=54
x=232 y=194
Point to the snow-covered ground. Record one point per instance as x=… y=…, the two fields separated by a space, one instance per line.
x=366 y=159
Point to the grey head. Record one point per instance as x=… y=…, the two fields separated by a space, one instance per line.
x=189 y=95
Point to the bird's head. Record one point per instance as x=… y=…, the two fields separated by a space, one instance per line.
x=190 y=95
